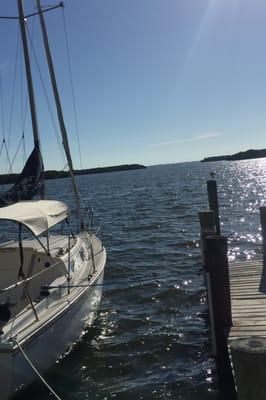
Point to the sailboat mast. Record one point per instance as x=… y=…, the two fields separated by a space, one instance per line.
x=29 y=74
x=59 y=107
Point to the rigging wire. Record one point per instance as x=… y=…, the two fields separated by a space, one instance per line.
x=46 y=98
x=24 y=101
x=23 y=113
x=2 y=146
x=21 y=88
x=18 y=66
x=7 y=155
x=3 y=123
x=13 y=91
x=24 y=148
x=36 y=371
x=16 y=152
x=12 y=103
x=72 y=86
x=2 y=107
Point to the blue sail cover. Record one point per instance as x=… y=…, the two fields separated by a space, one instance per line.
x=30 y=182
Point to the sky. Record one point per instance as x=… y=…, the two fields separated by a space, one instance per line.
x=155 y=81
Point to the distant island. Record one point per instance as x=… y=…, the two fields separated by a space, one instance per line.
x=242 y=155
x=52 y=174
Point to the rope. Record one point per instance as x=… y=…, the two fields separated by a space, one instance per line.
x=37 y=372
x=72 y=86
x=115 y=284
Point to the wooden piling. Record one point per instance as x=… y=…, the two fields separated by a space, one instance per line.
x=217 y=267
x=249 y=363
x=207 y=228
x=217 y=264
x=213 y=203
x=263 y=232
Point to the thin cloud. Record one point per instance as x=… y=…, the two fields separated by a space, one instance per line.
x=208 y=135
x=204 y=136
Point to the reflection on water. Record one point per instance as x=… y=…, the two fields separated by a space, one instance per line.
x=151 y=339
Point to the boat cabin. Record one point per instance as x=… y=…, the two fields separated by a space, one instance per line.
x=38 y=260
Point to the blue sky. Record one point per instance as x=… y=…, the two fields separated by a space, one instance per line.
x=156 y=81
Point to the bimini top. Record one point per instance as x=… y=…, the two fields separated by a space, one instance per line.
x=37 y=215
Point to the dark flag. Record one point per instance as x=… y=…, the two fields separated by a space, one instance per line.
x=30 y=182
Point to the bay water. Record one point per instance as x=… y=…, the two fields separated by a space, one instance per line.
x=151 y=339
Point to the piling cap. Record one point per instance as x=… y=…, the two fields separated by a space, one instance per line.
x=252 y=344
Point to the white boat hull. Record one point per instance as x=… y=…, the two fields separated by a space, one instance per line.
x=46 y=345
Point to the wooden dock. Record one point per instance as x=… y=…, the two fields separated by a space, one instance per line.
x=236 y=294
x=248 y=300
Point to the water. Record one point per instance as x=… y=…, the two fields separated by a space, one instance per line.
x=151 y=340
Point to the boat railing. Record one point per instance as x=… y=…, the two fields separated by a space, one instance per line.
x=22 y=293
x=99 y=233
x=88 y=217
x=96 y=231
x=32 y=277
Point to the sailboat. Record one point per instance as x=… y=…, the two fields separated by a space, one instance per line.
x=50 y=281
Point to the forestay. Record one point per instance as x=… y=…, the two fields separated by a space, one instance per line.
x=37 y=215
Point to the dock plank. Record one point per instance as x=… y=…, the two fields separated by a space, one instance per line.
x=248 y=299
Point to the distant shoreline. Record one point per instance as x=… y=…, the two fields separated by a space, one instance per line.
x=52 y=174
x=242 y=155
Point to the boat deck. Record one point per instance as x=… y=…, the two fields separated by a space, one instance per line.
x=56 y=242
x=248 y=299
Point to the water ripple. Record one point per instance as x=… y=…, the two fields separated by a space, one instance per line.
x=151 y=339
